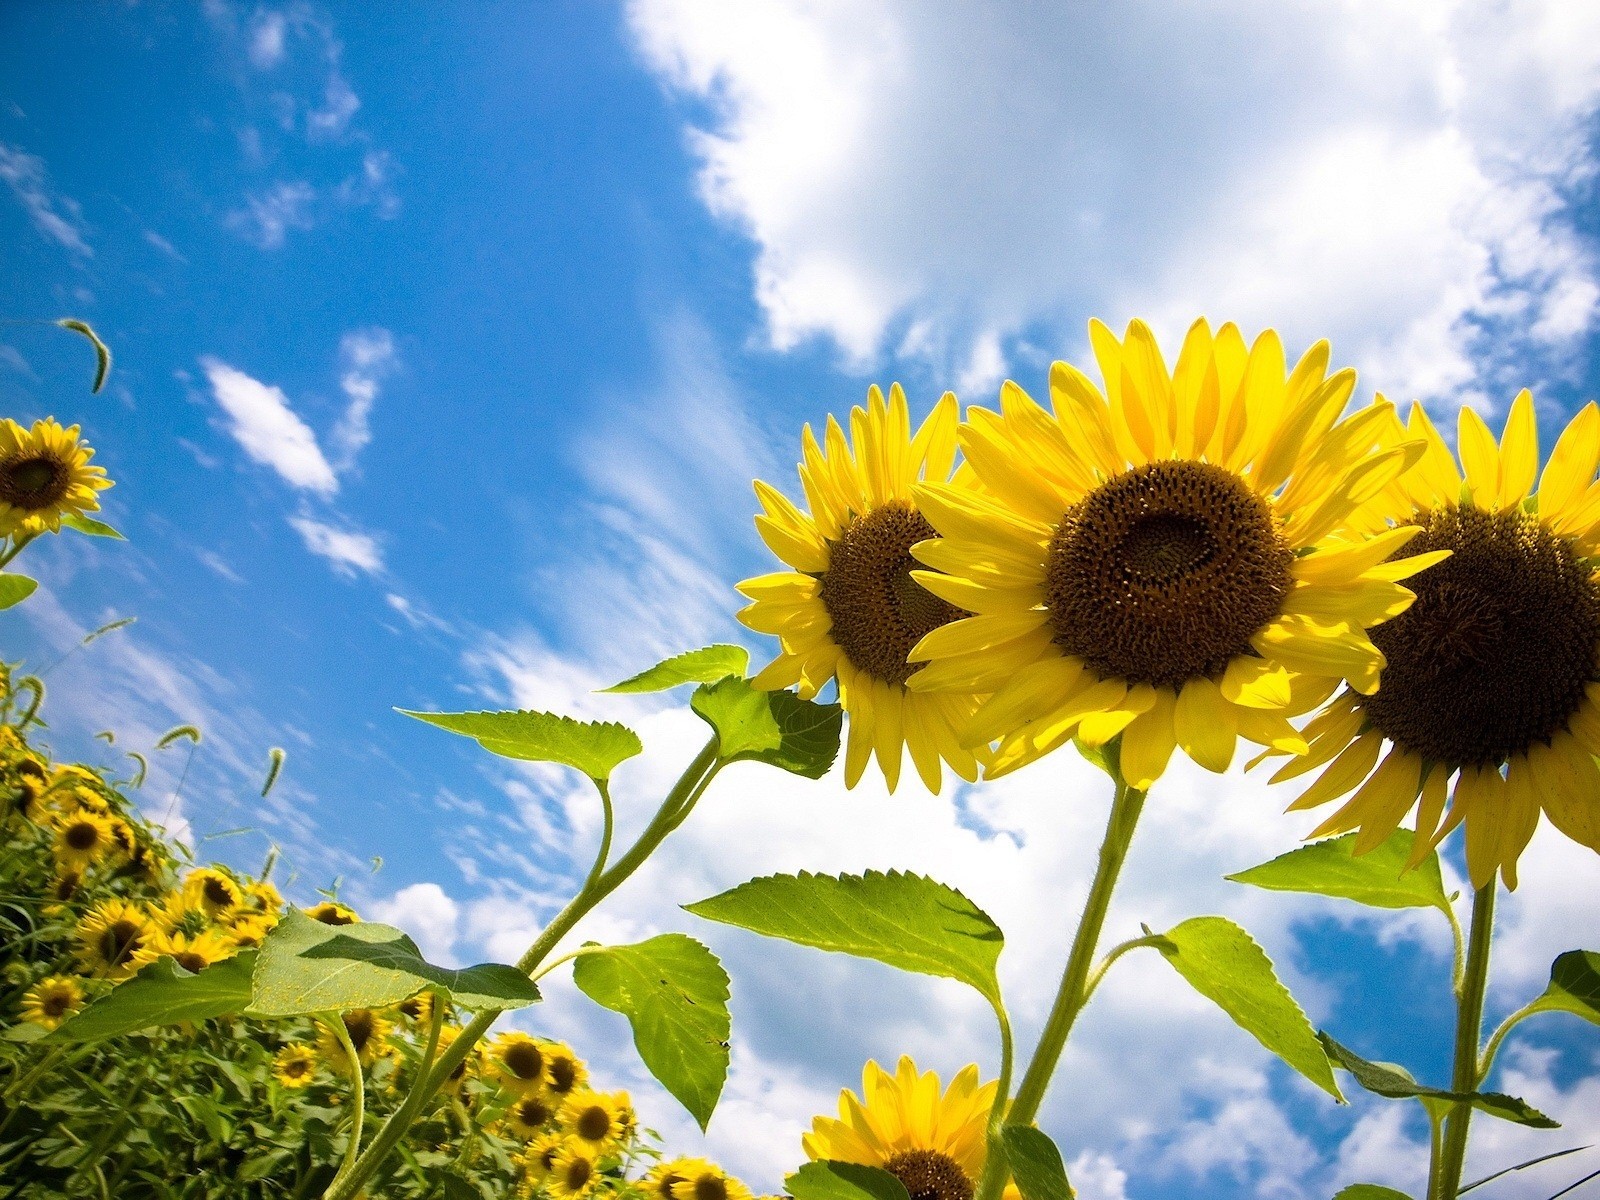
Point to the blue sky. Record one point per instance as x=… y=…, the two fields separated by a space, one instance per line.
x=449 y=340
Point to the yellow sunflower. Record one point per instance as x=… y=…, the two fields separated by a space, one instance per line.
x=417 y=1009
x=110 y=936
x=82 y=837
x=1491 y=698
x=703 y=1180
x=63 y=887
x=52 y=1000
x=331 y=912
x=932 y=1143
x=574 y=1173
x=261 y=896
x=26 y=796
x=466 y=1068
x=597 y=1119
x=369 y=1034
x=214 y=892
x=519 y=1061
x=564 y=1071
x=249 y=930
x=539 y=1159
x=850 y=610
x=667 y=1174
x=44 y=475
x=192 y=952
x=529 y=1115
x=295 y=1066
x=1158 y=565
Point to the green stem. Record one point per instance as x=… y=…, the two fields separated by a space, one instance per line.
x=995 y=1169
x=1486 y=1059
x=1116 y=952
x=1469 y=1029
x=1073 y=993
x=16 y=548
x=690 y=786
x=358 y=1088
x=606 y=831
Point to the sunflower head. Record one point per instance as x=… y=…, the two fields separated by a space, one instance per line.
x=1491 y=695
x=596 y=1119
x=369 y=1034
x=295 y=1066
x=1158 y=561
x=250 y=930
x=530 y=1114
x=466 y=1068
x=539 y=1159
x=110 y=937
x=574 y=1173
x=564 y=1071
x=194 y=953
x=261 y=896
x=851 y=607
x=519 y=1060
x=213 y=891
x=417 y=1009
x=703 y=1180
x=82 y=837
x=44 y=476
x=52 y=1000
x=331 y=912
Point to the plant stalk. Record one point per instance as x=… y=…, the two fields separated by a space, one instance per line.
x=1465 y=1077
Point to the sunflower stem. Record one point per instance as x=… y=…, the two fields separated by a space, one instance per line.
x=358 y=1091
x=1073 y=993
x=1465 y=1075
x=994 y=1164
x=674 y=809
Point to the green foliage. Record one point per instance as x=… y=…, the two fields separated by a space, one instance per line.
x=1223 y=963
x=307 y=967
x=1574 y=986
x=1370 y=1191
x=90 y=526
x=706 y=665
x=1036 y=1164
x=1396 y=1083
x=844 y=1181
x=164 y=994
x=777 y=728
x=594 y=747
x=102 y=352
x=674 y=993
x=275 y=757
x=1377 y=878
x=14 y=588
x=907 y=921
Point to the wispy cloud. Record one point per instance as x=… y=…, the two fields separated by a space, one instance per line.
x=349 y=550
x=367 y=357
x=161 y=244
x=266 y=218
x=268 y=429
x=58 y=217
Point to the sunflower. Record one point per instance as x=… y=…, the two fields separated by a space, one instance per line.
x=702 y=1180
x=596 y=1119
x=250 y=930
x=667 y=1174
x=261 y=896
x=519 y=1061
x=26 y=794
x=1158 y=565
x=194 y=953
x=1491 y=698
x=214 y=892
x=110 y=936
x=574 y=1173
x=464 y=1069
x=44 y=476
x=369 y=1034
x=181 y=913
x=63 y=887
x=52 y=1000
x=331 y=912
x=81 y=838
x=529 y=1114
x=933 y=1144
x=539 y=1159
x=564 y=1071
x=295 y=1066
x=418 y=1009
x=850 y=610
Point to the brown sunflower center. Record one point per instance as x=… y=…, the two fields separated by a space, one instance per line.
x=929 y=1175
x=193 y=963
x=1165 y=572
x=296 y=1067
x=563 y=1074
x=523 y=1060
x=593 y=1123
x=119 y=941
x=35 y=482
x=56 y=1004
x=330 y=914
x=218 y=893
x=81 y=836
x=359 y=1024
x=533 y=1112
x=879 y=612
x=665 y=1184
x=1499 y=646
x=710 y=1187
x=577 y=1173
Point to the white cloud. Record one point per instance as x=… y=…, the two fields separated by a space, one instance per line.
x=367 y=357
x=957 y=179
x=161 y=244
x=428 y=913
x=267 y=31
x=267 y=217
x=349 y=550
x=268 y=429
x=339 y=105
x=56 y=216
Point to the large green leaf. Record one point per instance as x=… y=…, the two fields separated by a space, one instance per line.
x=14 y=588
x=593 y=747
x=844 y=1181
x=907 y=921
x=674 y=993
x=1223 y=963
x=1377 y=878
x=706 y=665
x=1036 y=1164
x=163 y=993
x=1370 y=1191
x=1396 y=1083
x=779 y=728
x=307 y=967
x=1574 y=986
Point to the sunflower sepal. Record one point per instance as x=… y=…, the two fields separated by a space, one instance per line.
x=830 y=1180
x=1394 y=1082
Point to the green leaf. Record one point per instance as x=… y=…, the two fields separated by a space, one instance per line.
x=674 y=993
x=706 y=665
x=102 y=353
x=307 y=967
x=1036 y=1164
x=14 y=589
x=593 y=747
x=91 y=527
x=1370 y=1191
x=1532 y=1162
x=1574 y=986
x=844 y=1181
x=1377 y=878
x=1223 y=963
x=907 y=921
x=1396 y=1083
x=163 y=993
x=778 y=728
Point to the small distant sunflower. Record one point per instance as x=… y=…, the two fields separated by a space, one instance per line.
x=181 y=913
x=539 y=1159
x=295 y=1066
x=194 y=953
x=850 y=610
x=82 y=838
x=1492 y=693
x=519 y=1060
x=667 y=1174
x=597 y=1119
x=26 y=795
x=564 y=1071
x=63 y=887
x=933 y=1144
x=528 y=1115
x=369 y=1034
x=261 y=896
x=213 y=891
x=466 y=1068
x=52 y=1000
x=45 y=475
x=703 y=1180
x=1155 y=562
x=110 y=936
x=250 y=930
x=331 y=912
x=574 y=1173
x=417 y=1009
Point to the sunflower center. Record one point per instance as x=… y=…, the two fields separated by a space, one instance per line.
x=359 y=1025
x=594 y=1123
x=1165 y=572
x=296 y=1067
x=710 y=1187
x=34 y=483
x=563 y=1074
x=929 y=1175
x=665 y=1184
x=190 y=961
x=578 y=1172
x=82 y=836
x=533 y=1112
x=524 y=1060
x=1499 y=646
x=56 y=1004
x=218 y=893
x=879 y=612
x=120 y=940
